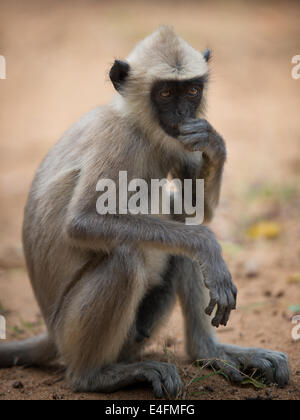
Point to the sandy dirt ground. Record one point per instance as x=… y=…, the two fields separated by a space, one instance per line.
x=58 y=55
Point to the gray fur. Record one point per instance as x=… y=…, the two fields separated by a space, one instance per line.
x=94 y=276
x=32 y=351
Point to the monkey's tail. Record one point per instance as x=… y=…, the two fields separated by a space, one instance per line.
x=34 y=351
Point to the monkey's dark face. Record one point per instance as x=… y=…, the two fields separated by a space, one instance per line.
x=175 y=101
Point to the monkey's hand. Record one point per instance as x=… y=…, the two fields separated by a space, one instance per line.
x=223 y=292
x=199 y=135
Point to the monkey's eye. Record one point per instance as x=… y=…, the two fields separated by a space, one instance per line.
x=193 y=91
x=166 y=93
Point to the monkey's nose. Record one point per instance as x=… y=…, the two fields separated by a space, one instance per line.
x=179 y=114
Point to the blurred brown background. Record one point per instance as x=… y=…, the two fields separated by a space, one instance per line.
x=58 y=55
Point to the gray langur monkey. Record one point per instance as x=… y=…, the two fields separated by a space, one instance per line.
x=105 y=282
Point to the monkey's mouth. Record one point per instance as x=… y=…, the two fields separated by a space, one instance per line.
x=171 y=126
x=173 y=131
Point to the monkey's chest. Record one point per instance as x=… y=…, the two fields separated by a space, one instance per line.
x=155 y=263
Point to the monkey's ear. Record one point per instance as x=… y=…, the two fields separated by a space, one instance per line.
x=207 y=54
x=118 y=73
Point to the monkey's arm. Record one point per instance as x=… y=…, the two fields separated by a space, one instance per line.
x=87 y=229
x=199 y=135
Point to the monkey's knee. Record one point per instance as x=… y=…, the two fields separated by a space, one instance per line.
x=99 y=313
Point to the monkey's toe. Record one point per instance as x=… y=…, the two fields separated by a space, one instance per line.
x=279 y=372
x=273 y=365
x=164 y=379
x=234 y=361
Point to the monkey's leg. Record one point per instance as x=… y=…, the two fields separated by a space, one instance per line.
x=202 y=344
x=152 y=310
x=94 y=324
x=157 y=302
x=35 y=351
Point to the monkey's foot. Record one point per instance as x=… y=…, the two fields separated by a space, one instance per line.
x=163 y=377
x=233 y=360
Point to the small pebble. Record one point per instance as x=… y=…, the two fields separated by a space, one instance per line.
x=251 y=269
x=209 y=388
x=18 y=385
x=58 y=397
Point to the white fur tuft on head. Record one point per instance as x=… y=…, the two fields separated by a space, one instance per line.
x=165 y=55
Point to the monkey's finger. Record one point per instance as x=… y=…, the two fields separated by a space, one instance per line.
x=195 y=142
x=226 y=316
x=234 y=292
x=157 y=389
x=231 y=306
x=282 y=371
x=211 y=306
x=155 y=380
x=194 y=126
x=232 y=370
x=222 y=307
x=268 y=370
x=172 y=382
x=193 y=137
x=217 y=319
x=279 y=367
